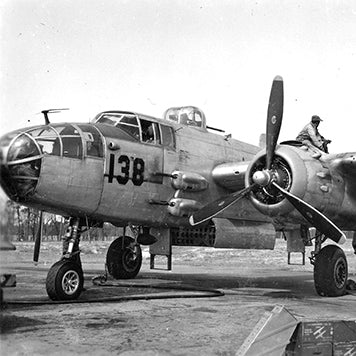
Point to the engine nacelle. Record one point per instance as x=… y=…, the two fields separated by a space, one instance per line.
x=299 y=170
x=188 y=181
x=231 y=175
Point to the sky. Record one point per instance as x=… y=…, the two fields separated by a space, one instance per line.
x=148 y=55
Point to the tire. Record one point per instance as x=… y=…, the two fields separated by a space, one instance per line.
x=330 y=272
x=121 y=261
x=64 y=280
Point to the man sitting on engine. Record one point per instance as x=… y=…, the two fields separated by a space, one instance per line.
x=311 y=136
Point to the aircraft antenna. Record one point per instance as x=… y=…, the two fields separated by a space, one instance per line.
x=46 y=112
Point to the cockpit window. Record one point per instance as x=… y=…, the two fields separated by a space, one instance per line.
x=131 y=120
x=93 y=141
x=130 y=125
x=150 y=132
x=125 y=121
x=107 y=120
x=167 y=136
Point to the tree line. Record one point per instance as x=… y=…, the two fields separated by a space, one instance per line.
x=22 y=224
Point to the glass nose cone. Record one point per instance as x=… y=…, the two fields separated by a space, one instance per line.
x=20 y=164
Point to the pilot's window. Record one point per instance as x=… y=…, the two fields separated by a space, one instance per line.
x=93 y=141
x=167 y=136
x=128 y=123
x=72 y=142
x=106 y=120
x=129 y=119
x=150 y=132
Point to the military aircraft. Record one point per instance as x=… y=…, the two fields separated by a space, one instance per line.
x=174 y=181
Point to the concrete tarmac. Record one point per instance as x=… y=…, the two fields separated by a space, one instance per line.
x=164 y=312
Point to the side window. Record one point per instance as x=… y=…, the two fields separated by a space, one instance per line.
x=72 y=142
x=168 y=138
x=150 y=132
x=93 y=141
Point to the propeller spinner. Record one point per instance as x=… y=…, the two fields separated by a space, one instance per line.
x=270 y=176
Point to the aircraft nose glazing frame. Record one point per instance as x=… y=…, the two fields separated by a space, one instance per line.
x=20 y=166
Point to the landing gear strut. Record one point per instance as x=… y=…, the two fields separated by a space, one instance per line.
x=330 y=269
x=65 y=278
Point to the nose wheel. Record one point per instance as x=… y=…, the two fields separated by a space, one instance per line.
x=64 y=280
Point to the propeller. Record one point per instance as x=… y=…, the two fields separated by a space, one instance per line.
x=217 y=206
x=314 y=216
x=274 y=119
x=38 y=239
x=269 y=177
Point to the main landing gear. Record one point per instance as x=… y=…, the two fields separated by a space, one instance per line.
x=124 y=258
x=330 y=269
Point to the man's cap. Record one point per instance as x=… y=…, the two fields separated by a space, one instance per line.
x=316 y=118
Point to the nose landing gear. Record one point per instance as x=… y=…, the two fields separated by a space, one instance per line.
x=65 y=278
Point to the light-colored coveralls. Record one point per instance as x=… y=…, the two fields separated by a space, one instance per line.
x=310 y=134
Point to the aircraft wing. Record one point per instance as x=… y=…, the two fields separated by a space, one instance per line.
x=346 y=164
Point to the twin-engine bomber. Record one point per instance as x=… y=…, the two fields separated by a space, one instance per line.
x=176 y=181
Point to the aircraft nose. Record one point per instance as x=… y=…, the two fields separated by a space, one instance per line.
x=20 y=163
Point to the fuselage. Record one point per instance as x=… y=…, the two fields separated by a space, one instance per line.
x=110 y=170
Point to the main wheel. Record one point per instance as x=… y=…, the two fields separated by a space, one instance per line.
x=124 y=259
x=64 y=280
x=330 y=272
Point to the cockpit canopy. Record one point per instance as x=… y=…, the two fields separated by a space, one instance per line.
x=138 y=127
x=186 y=115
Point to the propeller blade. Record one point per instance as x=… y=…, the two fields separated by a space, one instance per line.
x=274 y=118
x=315 y=217
x=217 y=206
x=38 y=239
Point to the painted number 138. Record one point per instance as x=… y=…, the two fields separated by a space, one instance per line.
x=124 y=163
